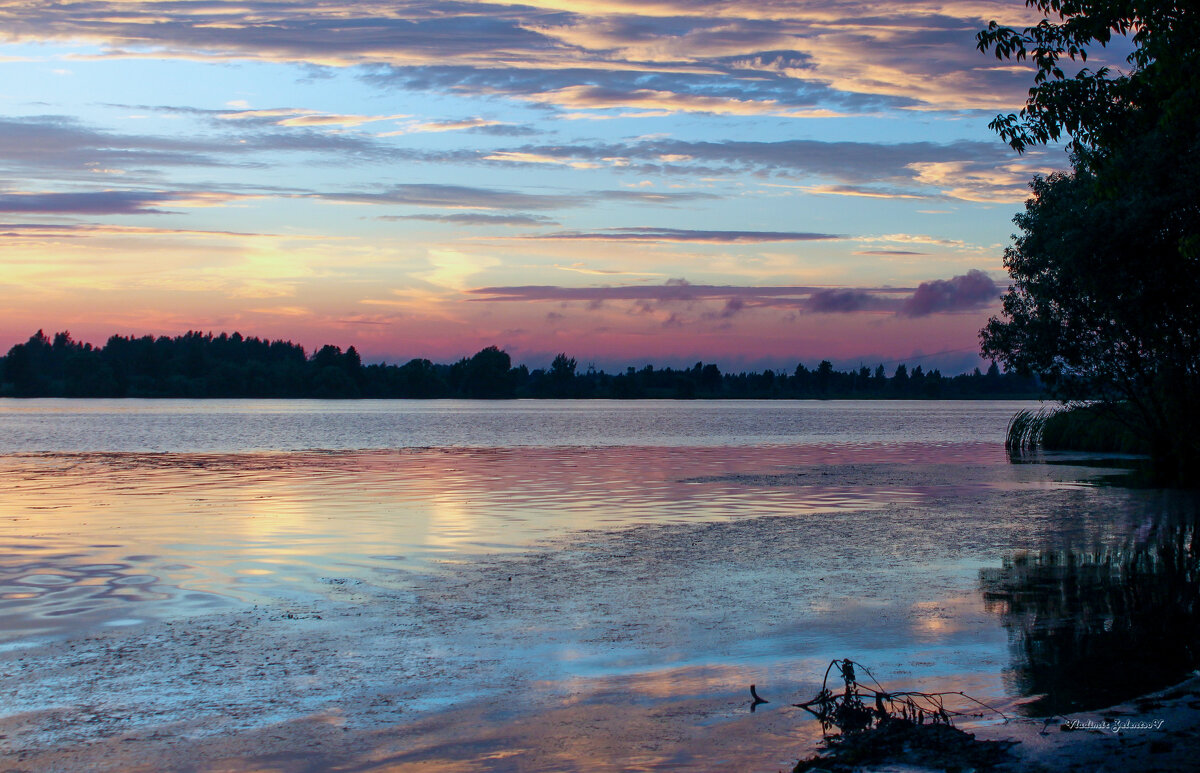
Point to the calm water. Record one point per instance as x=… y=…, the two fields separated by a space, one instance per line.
x=240 y=426
x=118 y=510
x=721 y=543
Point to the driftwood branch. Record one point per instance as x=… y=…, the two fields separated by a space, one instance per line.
x=881 y=726
x=860 y=707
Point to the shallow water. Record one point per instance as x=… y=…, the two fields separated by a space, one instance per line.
x=100 y=538
x=652 y=551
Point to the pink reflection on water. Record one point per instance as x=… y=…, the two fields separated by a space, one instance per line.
x=93 y=535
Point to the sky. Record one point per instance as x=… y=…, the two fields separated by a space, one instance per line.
x=754 y=183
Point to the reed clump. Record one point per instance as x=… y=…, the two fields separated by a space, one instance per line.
x=1095 y=427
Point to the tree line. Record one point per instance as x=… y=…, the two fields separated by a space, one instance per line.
x=230 y=365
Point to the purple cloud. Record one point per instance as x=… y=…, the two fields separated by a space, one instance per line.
x=969 y=291
x=672 y=290
x=452 y=196
x=845 y=301
x=87 y=203
x=67 y=146
x=854 y=163
x=470 y=197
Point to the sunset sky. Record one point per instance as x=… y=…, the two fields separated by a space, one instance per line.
x=750 y=182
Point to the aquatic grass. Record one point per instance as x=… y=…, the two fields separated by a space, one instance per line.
x=1024 y=431
x=1093 y=427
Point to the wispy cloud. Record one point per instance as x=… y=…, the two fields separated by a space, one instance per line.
x=290 y=116
x=650 y=234
x=968 y=292
x=475 y=219
x=526 y=157
x=903 y=238
x=69 y=147
x=667 y=102
x=965 y=170
x=467 y=124
x=864 y=191
x=650 y=197
x=452 y=197
x=890 y=253
x=470 y=197
x=42 y=231
x=110 y=202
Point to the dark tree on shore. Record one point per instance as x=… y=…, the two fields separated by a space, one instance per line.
x=1105 y=294
x=487 y=375
x=562 y=376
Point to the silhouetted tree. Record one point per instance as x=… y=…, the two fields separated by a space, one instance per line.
x=26 y=367
x=419 y=378
x=1106 y=270
x=710 y=378
x=562 y=376
x=486 y=375
x=823 y=378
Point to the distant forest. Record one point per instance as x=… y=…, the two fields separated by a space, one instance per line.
x=203 y=365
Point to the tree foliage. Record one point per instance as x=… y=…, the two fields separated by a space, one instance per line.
x=1099 y=108
x=1105 y=294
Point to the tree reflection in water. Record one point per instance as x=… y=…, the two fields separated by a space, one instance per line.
x=1092 y=628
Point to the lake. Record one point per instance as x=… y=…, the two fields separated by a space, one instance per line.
x=544 y=584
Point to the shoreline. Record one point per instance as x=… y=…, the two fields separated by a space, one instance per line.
x=1157 y=731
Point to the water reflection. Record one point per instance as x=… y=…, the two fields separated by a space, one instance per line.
x=187 y=426
x=1093 y=627
x=86 y=538
x=400 y=587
